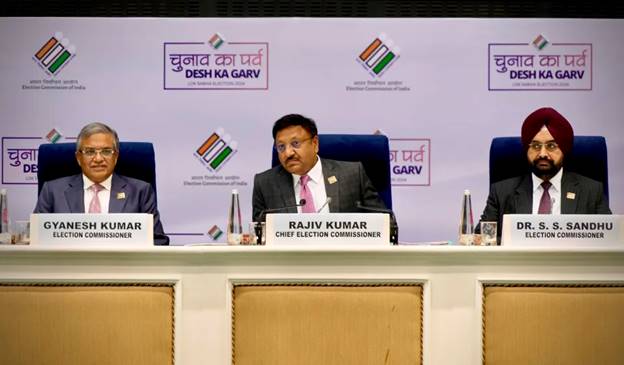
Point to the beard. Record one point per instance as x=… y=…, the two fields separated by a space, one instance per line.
x=544 y=168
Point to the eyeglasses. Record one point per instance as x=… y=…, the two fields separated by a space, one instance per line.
x=295 y=144
x=550 y=146
x=91 y=152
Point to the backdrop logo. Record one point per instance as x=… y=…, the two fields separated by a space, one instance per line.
x=53 y=135
x=216 y=150
x=378 y=56
x=539 y=65
x=216 y=65
x=19 y=160
x=55 y=54
x=410 y=161
x=215 y=232
x=540 y=42
x=216 y=41
x=20 y=157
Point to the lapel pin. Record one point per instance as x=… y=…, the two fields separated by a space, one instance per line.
x=332 y=179
x=570 y=195
x=121 y=196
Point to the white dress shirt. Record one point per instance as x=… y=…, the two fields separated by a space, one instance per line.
x=554 y=191
x=316 y=184
x=103 y=195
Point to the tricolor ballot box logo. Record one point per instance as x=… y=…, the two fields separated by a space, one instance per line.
x=53 y=135
x=215 y=232
x=216 y=40
x=540 y=42
x=54 y=54
x=378 y=56
x=216 y=150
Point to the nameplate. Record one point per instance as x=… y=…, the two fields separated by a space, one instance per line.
x=120 y=229
x=566 y=230
x=370 y=229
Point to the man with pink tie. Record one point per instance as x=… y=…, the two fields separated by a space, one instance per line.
x=98 y=189
x=305 y=183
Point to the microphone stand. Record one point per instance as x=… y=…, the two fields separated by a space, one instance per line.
x=394 y=227
x=329 y=199
x=259 y=230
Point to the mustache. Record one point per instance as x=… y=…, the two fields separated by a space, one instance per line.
x=542 y=159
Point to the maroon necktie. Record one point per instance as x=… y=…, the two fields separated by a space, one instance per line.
x=545 y=206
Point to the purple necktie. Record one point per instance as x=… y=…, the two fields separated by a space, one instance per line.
x=94 y=206
x=305 y=193
x=545 y=206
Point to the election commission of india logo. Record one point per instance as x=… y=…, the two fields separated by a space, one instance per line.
x=379 y=56
x=55 y=54
x=215 y=232
x=216 y=150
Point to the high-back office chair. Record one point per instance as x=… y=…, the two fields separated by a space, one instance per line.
x=372 y=150
x=588 y=158
x=136 y=159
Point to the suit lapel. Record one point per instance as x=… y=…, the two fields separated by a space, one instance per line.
x=118 y=195
x=569 y=193
x=523 y=203
x=74 y=194
x=331 y=189
x=285 y=187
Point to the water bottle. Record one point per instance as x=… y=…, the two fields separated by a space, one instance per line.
x=466 y=225
x=5 y=235
x=4 y=212
x=234 y=224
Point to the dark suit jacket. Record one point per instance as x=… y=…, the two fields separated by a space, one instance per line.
x=274 y=189
x=515 y=196
x=66 y=195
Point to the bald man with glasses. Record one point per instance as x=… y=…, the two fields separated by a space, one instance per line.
x=303 y=177
x=98 y=189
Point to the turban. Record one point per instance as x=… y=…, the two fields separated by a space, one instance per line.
x=556 y=124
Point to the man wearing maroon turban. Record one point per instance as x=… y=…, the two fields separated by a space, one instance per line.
x=547 y=138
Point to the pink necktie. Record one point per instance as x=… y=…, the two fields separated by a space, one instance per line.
x=545 y=206
x=305 y=193
x=94 y=206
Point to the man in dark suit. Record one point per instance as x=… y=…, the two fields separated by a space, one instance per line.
x=302 y=175
x=98 y=189
x=547 y=138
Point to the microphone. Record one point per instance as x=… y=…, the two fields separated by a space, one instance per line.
x=323 y=206
x=394 y=227
x=273 y=210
